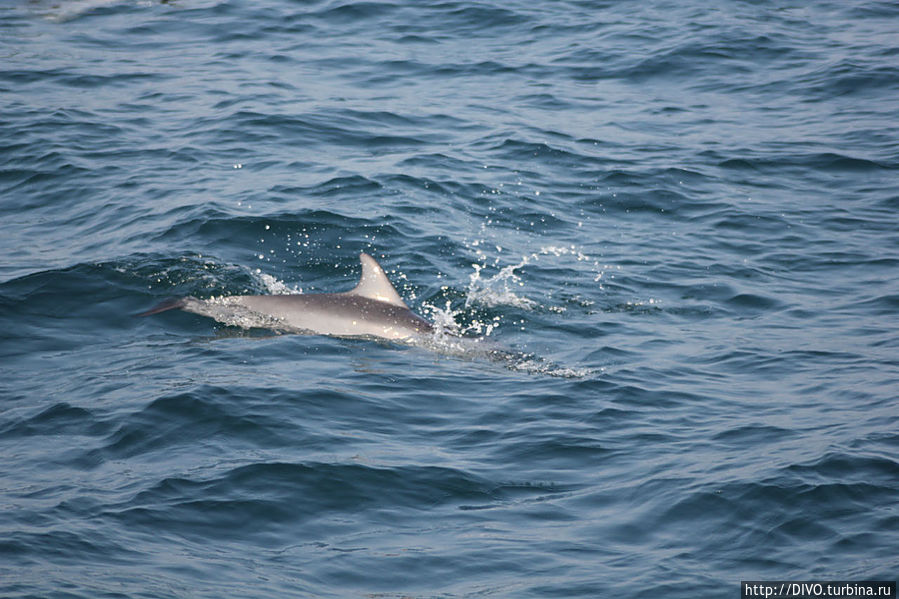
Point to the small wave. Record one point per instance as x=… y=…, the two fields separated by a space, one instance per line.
x=482 y=349
x=59 y=419
x=827 y=162
x=251 y=499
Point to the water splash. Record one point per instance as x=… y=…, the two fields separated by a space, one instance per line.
x=274 y=285
x=497 y=290
x=448 y=321
x=226 y=310
x=504 y=287
x=70 y=10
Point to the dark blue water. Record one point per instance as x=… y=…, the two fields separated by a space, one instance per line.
x=678 y=222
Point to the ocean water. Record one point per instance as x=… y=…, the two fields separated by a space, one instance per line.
x=675 y=225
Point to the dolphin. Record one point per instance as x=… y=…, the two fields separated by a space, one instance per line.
x=372 y=309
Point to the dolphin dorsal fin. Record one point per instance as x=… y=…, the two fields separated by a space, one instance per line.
x=374 y=283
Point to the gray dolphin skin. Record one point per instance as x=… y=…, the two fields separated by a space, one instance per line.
x=372 y=309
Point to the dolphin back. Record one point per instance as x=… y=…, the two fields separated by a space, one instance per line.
x=372 y=309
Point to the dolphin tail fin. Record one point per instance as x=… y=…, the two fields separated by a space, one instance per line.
x=170 y=304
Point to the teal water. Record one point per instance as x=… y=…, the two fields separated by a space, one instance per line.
x=676 y=224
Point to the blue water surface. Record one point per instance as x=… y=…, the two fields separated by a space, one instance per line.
x=674 y=224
